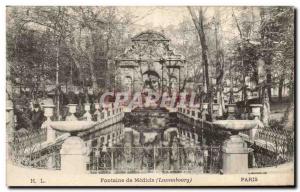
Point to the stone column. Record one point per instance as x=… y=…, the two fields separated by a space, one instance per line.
x=48 y=112
x=235 y=155
x=73 y=155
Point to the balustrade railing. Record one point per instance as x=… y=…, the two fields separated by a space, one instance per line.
x=29 y=138
x=272 y=146
x=39 y=149
x=35 y=156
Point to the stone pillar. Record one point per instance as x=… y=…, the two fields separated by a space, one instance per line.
x=48 y=112
x=10 y=117
x=9 y=120
x=10 y=128
x=73 y=156
x=235 y=155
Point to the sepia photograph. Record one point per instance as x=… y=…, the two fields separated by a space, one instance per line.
x=148 y=96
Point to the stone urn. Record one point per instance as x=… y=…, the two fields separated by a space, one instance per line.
x=235 y=150
x=231 y=111
x=72 y=110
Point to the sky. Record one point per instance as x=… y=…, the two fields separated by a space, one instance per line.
x=158 y=18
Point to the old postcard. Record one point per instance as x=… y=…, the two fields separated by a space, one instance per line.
x=150 y=96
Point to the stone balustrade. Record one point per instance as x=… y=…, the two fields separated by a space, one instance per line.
x=234 y=149
x=110 y=116
x=74 y=144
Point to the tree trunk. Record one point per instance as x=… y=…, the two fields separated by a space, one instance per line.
x=269 y=82
x=57 y=81
x=219 y=68
x=280 y=88
x=93 y=77
x=267 y=55
x=198 y=22
x=91 y=58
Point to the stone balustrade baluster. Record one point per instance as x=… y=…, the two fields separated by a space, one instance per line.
x=105 y=115
x=72 y=110
x=196 y=139
x=231 y=111
x=87 y=113
x=50 y=133
x=48 y=112
x=97 y=112
x=256 y=112
x=114 y=138
x=215 y=110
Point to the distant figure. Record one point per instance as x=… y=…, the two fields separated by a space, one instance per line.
x=23 y=119
x=37 y=117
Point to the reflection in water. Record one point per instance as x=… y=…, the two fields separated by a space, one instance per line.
x=150 y=141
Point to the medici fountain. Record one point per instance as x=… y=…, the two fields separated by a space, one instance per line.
x=147 y=140
x=117 y=138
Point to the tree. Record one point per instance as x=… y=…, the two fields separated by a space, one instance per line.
x=198 y=22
